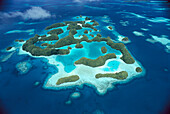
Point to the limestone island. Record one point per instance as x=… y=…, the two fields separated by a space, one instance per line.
x=8 y=48
x=109 y=27
x=125 y=39
x=93 y=71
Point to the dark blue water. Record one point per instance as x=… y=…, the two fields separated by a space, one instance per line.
x=145 y=95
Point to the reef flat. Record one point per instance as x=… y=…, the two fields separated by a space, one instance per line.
x=96 y=70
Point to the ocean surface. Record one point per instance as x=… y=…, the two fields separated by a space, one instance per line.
x=146 y=24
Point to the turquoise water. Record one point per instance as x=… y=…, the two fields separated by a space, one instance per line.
x=144 y=95
x=68 y=60
x=112 y=66
x=90 y=50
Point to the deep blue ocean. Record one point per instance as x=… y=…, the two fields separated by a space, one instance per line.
x=149 y=94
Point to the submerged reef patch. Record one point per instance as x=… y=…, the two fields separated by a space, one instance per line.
x=23 y=67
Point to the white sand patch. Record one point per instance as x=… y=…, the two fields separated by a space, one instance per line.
x=134 y=14
x=75 y=95
x=105 y=16
x=48 y=35
x=77 y=36
x=30 y=31
x=151 y=40
x=154 y=20
x=106 y=20
x=87 y=76
x=138 y=33
x=12 y=49
x=5 y=58
x=124 y=23
x=163 y=39
x=79 y=24
x=120 y=38
x=110 y=29
x=144 y=29
x=98 y=8
x=88 y=21
x=159 y=20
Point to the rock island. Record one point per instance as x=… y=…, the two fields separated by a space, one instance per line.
x=95 y=72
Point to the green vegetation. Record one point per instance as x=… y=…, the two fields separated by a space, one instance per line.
x=44 y=44
x=127 y=58
x=93 y=20
x=73 y=31
x=74 y=22
x=72 y=78
x=49 y=38
x=95 y=29
x=84 y=38
x=95 y=23
x=43 y=36
x=37 y=51
x=21 y=40
x=125 y=39
x=55 y=26
x=120 y=75
x=104 y=49
x=56 y=31
x=78 y=45
x=85 y=31
x=68 y=40
x=97 y=38
x=87 y=25
x=73 y=25
x=87 y=18
x=69 y=47
x=8 y=48
x=96 y=62
x=91 y=35
x=110 y=28
x=138 y=69
x=99 y=35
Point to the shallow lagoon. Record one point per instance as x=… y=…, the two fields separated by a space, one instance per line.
x=146 y=95
x=89 y=50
